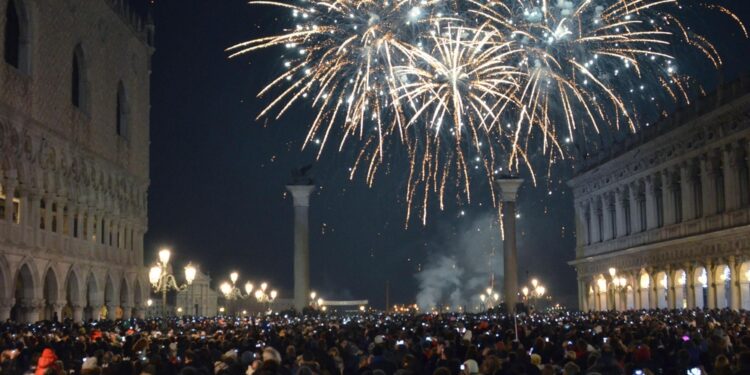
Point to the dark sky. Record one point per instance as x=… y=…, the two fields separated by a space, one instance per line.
x=217 y=194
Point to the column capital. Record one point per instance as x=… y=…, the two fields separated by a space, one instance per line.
x=509 y=188
x=301 y=194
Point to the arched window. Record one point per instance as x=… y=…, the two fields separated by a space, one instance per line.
x=121 y=119
x=16 y=36
x=78 y=83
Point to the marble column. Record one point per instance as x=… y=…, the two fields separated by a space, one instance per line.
x=301 y=197
x=606 y=217
x=620 y=217
x=509 y=189
x=708 y=186
x=730 y=168
x=127 y=312
x=635 y=208
x=688 y=191
x=594 y=220
x=60 y=216
x=668 y=197
x=582 y=233
x=5 y=307
x=651 y=207
x=671 y=285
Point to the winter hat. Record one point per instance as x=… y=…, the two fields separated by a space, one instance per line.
x=536 y=359
x=471 y=367
x=379 y=339
x=46 y=361
x=467 y=336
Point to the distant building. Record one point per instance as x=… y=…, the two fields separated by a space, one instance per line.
x=198 y=299
x=669 y=212
x=74 y=159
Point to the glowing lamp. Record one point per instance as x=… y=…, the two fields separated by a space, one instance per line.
x=234 y=276
x=525 y=291
x=190 y=273
x=496 y=296
x=154 y=274
x=258 y=294
x=313 y=295
x=534 y=282
x=482 y=297
x=164 y=255
x=149 y=302
x=612 y=271
x=320 y=302
x=263 y=286
x=225 y=288
x=274 y=294
x=601 y=283
x=248 y=287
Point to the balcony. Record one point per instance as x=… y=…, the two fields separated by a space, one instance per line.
x=684 y=229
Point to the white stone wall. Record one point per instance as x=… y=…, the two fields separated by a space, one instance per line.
x=72 y=242
x=670 y=214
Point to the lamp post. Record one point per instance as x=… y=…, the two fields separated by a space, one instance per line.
x=163 y=281
x=536 y=291
x=265 y=298
x=231 y=292
x=490 y=298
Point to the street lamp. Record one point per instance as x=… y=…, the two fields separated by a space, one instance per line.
x=163 y=281
x=265 y=297
x=537 y=291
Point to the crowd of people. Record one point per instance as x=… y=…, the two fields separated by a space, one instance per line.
x=633 y=343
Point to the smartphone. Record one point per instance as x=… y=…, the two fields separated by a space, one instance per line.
x=638 y=372
x=463 y=367
x=399 y=342
x=546 y=339
x=605 y=340
x=694 y=371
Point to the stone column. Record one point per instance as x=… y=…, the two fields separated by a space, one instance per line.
x=5 y=307
x=710 y=280
x=127 y=312
x=77 y=313
x=301 y=197
x=111 y=310
x=140 y=312
x=107 y=225
x=731 y=177
x=668 y=196
x=606 y=218
x=48 y=204
x=32 y=310
x=620 y=217
x=582 y=234
x=671 y=285
x=734 y=283
x=708 y=186
x=688 y=192
x=635 y=209
x=582 y=295
x=651 y=207
x=593 y=220
x=690 y=283
x=509 y=189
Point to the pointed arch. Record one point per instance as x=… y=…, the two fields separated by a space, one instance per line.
x=72 y=295
x=94 y=297
x=17 y=36
x=24 y=293
x=49 y=293
x=79 y=90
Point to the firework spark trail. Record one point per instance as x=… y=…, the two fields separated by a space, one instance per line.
x=467 y=85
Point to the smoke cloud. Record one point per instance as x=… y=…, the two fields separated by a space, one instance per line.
x=459 y=269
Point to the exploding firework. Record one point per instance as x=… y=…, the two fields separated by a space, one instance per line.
x=466 y=85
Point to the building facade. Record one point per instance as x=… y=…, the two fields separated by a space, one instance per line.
x=663 y=220
x=74 y=139
x=198 y=299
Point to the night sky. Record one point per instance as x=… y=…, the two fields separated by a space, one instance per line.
x=217 y=194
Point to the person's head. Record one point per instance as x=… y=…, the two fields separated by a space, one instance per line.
x=535 y=359
x=470 y=367
x=548 y=370
x=721 y=361
x=571 y=368
x=442 y=371
x=271 y=355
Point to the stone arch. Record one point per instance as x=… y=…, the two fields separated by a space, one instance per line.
x=662 y=284
x=50 y=288
x=24 y=286
x=679 y=280
x=94 y=298
x=644 y=290
x=723 y=276
x=73 y=304
x=700 y=288
x=744 y=277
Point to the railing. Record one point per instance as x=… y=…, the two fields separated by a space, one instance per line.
x=693 y=227
x=64 y=245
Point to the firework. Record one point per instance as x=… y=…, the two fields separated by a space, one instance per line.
x=465 y=85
